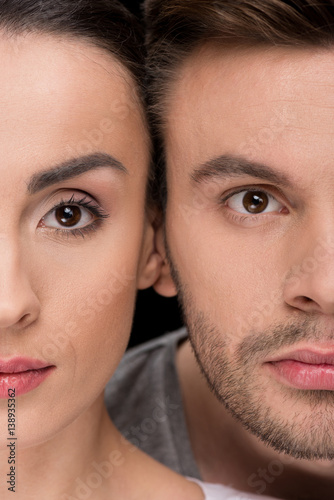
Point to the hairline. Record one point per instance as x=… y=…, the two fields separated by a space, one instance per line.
x=218 y=49
x=123 y=71
x=162 y=108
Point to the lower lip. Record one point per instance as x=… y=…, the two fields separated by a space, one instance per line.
x=22 y=382
x=303 y=375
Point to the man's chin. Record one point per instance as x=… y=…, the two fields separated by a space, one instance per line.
x=295 y=421
x=291 y=421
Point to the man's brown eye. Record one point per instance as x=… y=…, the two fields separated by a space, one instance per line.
x=68 y=216
x=255 y=202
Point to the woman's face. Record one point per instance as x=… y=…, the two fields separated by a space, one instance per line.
x=74 y=242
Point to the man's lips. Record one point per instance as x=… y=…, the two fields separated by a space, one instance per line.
x=305 y=369
x=311 y=357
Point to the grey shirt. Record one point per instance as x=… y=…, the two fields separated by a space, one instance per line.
x=144 y=401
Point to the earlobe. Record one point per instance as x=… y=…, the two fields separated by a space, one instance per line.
x=151 y=262
x=164 y=284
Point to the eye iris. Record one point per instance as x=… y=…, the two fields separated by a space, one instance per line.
x=255 y=202
x=68 y=216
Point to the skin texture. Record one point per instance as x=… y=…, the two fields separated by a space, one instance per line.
x=259 y=284
x=68 y=299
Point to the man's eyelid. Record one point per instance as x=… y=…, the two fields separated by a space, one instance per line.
x=274 y=191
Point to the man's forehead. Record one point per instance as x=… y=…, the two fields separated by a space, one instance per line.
x=211 y=69
x=259 y=99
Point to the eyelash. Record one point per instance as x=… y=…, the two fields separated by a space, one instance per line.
x=95 y=210
x=243 y=217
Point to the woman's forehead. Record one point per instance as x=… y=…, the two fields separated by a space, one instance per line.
x=66 y=95
x=47 y=64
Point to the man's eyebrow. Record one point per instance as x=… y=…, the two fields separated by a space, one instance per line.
x=234 y=166
x=72 y=168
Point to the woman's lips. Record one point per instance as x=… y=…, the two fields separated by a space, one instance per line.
x=305 y=369
x=22 y=374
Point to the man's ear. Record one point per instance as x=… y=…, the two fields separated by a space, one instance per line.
x=164 y=285
x=151 y=260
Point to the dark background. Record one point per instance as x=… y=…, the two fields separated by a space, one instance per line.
x=133 y=5
x=154 y=315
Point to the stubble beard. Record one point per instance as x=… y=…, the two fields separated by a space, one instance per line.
x=302 y=426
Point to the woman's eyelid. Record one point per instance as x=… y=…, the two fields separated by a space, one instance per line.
x=81 y=199
x=67 y=196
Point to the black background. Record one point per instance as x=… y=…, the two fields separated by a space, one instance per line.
x=154 y=314
x=133 y=5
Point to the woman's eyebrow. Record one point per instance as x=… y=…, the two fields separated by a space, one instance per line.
x=235 y=166
x=72 y=168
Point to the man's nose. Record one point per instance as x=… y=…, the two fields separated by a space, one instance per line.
x=19 y=305
x=309 y=285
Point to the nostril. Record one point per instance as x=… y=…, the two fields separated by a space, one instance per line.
x=304 y=302
x=306 y=299
x=24 y=318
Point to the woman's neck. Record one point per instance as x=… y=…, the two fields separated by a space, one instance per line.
x=58 y=468
x=90 y=459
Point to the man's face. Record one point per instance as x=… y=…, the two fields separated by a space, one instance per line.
x=250 y=232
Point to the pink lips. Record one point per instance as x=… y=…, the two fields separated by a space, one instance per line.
x=305 y=369
x=23 y=374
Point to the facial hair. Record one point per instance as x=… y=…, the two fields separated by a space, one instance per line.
x=302 y=426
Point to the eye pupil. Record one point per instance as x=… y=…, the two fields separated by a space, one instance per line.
x=255 y=202
x=68 y=216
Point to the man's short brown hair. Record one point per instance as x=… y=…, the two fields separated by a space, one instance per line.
x=175 y=28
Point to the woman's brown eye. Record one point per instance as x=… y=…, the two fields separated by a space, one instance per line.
x=255 y=202
x=68 y=216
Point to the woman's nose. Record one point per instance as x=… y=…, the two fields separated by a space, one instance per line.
x=19 y=305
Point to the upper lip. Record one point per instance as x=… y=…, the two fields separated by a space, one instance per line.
x=308 y=356
x=21 y=364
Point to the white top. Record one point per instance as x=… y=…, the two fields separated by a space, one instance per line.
x=221 y=492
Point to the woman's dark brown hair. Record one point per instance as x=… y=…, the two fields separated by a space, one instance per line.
x=105 y=23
